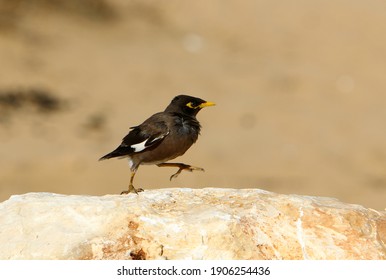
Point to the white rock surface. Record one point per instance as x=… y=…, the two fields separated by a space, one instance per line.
x=189 y=224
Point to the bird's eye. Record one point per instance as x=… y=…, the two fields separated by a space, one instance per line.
x=191 y=105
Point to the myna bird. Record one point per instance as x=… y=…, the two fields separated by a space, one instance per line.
x=162 y=137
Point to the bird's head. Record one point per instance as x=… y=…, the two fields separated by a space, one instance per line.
x=188 y=105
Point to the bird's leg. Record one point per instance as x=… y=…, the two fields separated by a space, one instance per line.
x=131 y=186
x=181 y=167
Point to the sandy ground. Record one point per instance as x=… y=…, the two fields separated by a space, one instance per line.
x=300 y=93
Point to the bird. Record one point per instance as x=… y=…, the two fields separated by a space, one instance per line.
x=162 y=137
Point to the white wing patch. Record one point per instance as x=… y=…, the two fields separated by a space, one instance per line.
x=144 y=144
x=139 y=147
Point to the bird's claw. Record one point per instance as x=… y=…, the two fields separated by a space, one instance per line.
x=132 y=190
x=187 y=168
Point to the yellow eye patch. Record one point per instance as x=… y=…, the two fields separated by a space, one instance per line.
x=202 y=105
x=190 y=105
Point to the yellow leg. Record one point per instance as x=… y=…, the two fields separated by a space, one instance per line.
x=131 y=186
x=181 y=167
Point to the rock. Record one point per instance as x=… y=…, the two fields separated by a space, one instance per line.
x=189 y=224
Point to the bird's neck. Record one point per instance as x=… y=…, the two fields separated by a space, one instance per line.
x=189 y=120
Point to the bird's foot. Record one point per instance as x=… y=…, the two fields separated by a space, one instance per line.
x=181 y=167
x=132 y=190
x=187 y=168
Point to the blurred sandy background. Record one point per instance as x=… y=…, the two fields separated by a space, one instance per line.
x=299 y=86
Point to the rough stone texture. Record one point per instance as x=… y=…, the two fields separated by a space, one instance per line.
x=189 y=224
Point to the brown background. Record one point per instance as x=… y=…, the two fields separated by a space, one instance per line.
x=299 y=86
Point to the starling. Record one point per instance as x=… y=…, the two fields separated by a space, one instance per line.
x=162 y=137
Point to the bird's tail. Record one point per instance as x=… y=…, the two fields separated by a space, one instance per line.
x=119 y=152
x=105 y=157
x=110 y=155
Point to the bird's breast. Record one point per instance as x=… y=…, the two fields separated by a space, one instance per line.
x=187 y=127
x=183 y=134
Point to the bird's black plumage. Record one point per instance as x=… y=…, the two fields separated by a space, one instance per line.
x=163 y=136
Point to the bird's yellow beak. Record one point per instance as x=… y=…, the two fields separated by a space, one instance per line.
x=206 y=104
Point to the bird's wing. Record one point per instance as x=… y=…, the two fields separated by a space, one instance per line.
x=145 y=135
x=141 y=137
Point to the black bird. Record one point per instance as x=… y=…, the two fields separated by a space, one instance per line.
x=162 y=137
